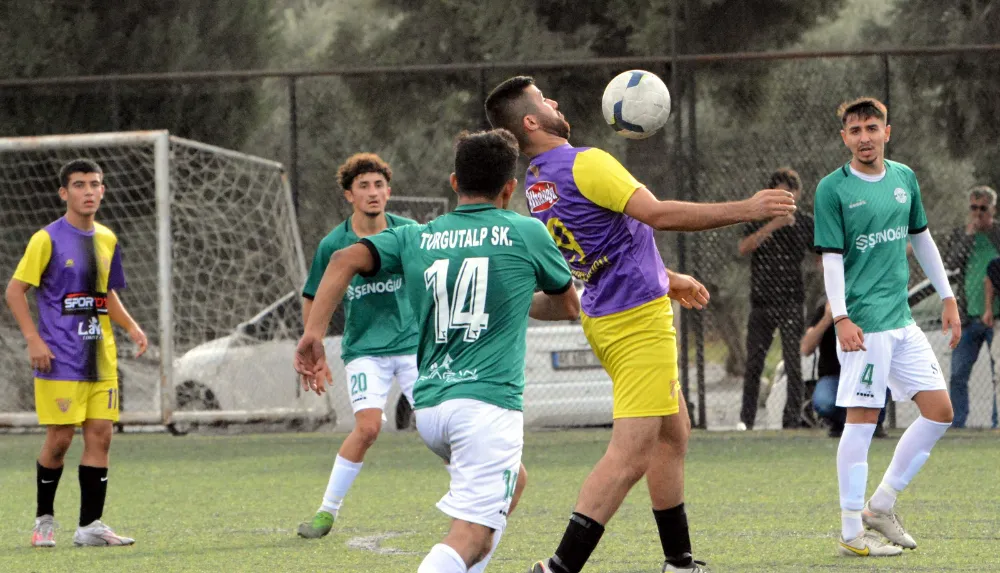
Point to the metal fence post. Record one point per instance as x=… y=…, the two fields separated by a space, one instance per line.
x=886 y=97
x=293 y=142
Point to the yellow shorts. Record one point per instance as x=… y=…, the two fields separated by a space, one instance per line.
x=67 y=402
x=638 y=348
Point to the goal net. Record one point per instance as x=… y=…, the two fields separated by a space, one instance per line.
x=213 y=261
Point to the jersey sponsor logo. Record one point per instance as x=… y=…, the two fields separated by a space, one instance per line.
x=85 y=303
x=386 y=286
x=69 y=263
x=900 y=194
x=542 y=196
x=444 y=372
x=90 y=329
x=857 y=204
x=869 y=241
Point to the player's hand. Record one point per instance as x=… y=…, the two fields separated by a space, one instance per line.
x=768 y=204
x=988 y=317
x=850 y=336
x=951 y=321
x=310 y=363
x=688 y=291
x=138 y=337
x=39 y=354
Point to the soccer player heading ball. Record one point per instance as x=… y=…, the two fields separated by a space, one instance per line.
x=603 y=220
x=865 y=211
x=75 y=264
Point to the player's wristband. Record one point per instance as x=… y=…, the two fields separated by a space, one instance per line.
x=841 y=319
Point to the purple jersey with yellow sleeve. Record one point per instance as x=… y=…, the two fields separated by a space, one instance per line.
x=580 y=194
x=73 y=271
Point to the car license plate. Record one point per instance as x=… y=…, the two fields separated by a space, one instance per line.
x=571 y=359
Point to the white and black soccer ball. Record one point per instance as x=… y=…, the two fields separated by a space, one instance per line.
x=636 y=104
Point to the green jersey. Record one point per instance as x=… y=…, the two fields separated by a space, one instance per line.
x=470 y=276
x=982 y=253
x=378 y=319
x=868 y=222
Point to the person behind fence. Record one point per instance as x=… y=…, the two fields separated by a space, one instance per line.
x=865 y=210
x=970 y=249
x=821 y=337
x=75 y=266
x=991 y=286
x=776 y=250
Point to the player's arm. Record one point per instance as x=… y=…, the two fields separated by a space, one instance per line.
x=686 y=290
x=120 y=316
x=926 y=253
x=320 y=261
x=556 y=305
x=988 y=298
x=684 y=216
x=17 y=300
x=601 y=179
x=343 y=265
x=813 y=336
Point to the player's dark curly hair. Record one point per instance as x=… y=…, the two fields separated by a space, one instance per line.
x=359 y=164
x=862 y=108
x=485 y=161
x=78 y=166
x=785 y=175
x=507 y=105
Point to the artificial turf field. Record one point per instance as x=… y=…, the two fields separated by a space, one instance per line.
x=757 y=501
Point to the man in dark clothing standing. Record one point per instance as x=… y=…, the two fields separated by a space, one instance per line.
x=776 y=250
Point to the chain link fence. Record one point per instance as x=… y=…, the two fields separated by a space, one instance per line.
x=735 y=119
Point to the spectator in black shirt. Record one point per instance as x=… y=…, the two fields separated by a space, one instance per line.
x=776 y=250
x=822 y=336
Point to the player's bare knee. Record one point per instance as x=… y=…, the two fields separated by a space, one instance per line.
x=98 y=438
x=368 y=431
x=57 y=442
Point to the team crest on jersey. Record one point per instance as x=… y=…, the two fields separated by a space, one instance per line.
x=64 y=404
x=69 y=263
x=900 y=194
x=542 y=196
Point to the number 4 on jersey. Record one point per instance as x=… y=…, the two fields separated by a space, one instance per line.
x=470 y=286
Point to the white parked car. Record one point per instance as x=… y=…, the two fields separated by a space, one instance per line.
x=251 y=369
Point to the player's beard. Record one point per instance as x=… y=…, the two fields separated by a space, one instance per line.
x=557 y=126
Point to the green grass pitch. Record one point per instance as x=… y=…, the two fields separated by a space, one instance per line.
x=762 y=502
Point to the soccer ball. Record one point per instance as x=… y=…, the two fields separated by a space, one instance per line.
x=636 y=104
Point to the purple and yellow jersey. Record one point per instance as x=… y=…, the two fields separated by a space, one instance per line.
x=580 y=194
x=73 y=271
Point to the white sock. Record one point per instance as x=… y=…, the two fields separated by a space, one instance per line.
x=852 y=476
x=442 y=559
x=912 y=451
x=341 y=478
x=481 y=566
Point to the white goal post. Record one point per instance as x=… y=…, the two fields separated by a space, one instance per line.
x=209 y=242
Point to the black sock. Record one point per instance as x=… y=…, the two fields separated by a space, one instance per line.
x=581 y=537
x=673 y=526
x=47 y=480
x=93 y=489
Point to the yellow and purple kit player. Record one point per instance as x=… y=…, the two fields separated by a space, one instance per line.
x=603 y=222
x=75 y=266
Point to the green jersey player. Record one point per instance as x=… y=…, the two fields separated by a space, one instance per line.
x=865 y=211
x=471 y=277
x=380 y=337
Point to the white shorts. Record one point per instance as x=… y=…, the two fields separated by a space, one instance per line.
x=369 y=379
x=899 y=359
x=481 y=443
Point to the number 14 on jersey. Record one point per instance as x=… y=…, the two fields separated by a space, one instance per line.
x=469 y=292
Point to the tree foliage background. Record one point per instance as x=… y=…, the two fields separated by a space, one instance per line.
x=749 y=117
